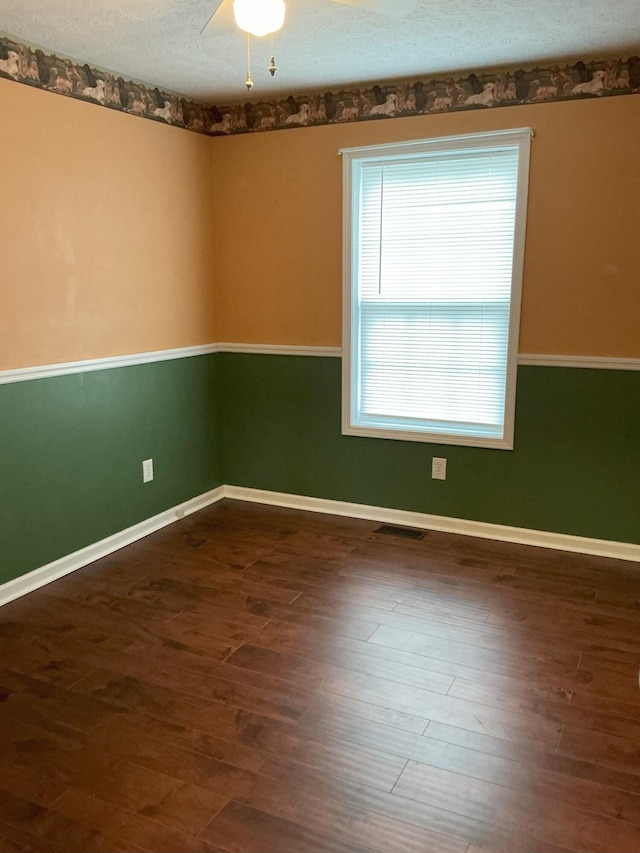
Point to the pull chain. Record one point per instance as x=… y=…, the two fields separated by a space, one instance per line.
x=249 y=83
x=272 y=64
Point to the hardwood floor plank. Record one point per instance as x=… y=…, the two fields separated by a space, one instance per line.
x=57 y=834
x=467 y=653
x=330 y=704
x=259 y=659
x=232 y=735
x=187 y=809
x=312 y=574
x=35 y=786
x=93 y=602
x=537 y=757
x=554 y=822
x=558 y=709
x=241 y=829
x=14 y=631
x=153 y=837
x=62 y=659
x=53 y=708
x=372 y=766
x=127 y=692
x=619 y=753
x=182 y=689
x=614 y=641
x=7 y=846
x=226 y=580
x=44 y=831
x=161 y=798
x=161 y=663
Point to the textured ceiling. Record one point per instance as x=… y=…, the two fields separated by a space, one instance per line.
x=322 y=44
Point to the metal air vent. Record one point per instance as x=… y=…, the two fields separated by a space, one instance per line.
x=402 y=532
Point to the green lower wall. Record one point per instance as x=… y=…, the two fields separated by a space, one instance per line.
x=575 y=468
x=71 y=449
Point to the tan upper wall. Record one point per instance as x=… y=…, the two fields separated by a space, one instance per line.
x=279 y=260
x=105 y=232
x=119 y=235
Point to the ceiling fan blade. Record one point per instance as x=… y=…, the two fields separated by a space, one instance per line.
x=391 y=8
x=222 y=20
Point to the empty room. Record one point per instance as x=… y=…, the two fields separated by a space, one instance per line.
x=319 y=427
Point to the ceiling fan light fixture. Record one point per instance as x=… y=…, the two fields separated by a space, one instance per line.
x=259 y=17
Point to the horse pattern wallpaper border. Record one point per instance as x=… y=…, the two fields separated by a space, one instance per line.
x=475 y=91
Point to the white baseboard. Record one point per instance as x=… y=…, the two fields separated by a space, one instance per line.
x=65 y=565
x=484 y=530
x=481 y=529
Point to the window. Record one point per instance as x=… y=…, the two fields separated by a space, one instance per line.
x=433 y=257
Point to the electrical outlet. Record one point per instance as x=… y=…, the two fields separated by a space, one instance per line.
x=147 y=470
x=438 y=468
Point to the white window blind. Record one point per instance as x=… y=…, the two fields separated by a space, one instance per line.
x=434 y=236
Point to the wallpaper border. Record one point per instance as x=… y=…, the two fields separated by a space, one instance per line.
x=480 y=90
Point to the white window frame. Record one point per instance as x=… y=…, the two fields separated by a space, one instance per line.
x=516 y=138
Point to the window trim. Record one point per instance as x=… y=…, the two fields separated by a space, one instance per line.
x=520 y=137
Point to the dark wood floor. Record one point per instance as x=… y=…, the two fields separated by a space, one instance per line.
x=259 y=680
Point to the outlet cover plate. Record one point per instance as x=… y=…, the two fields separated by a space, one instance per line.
x=147 y=470
x=438 y=468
